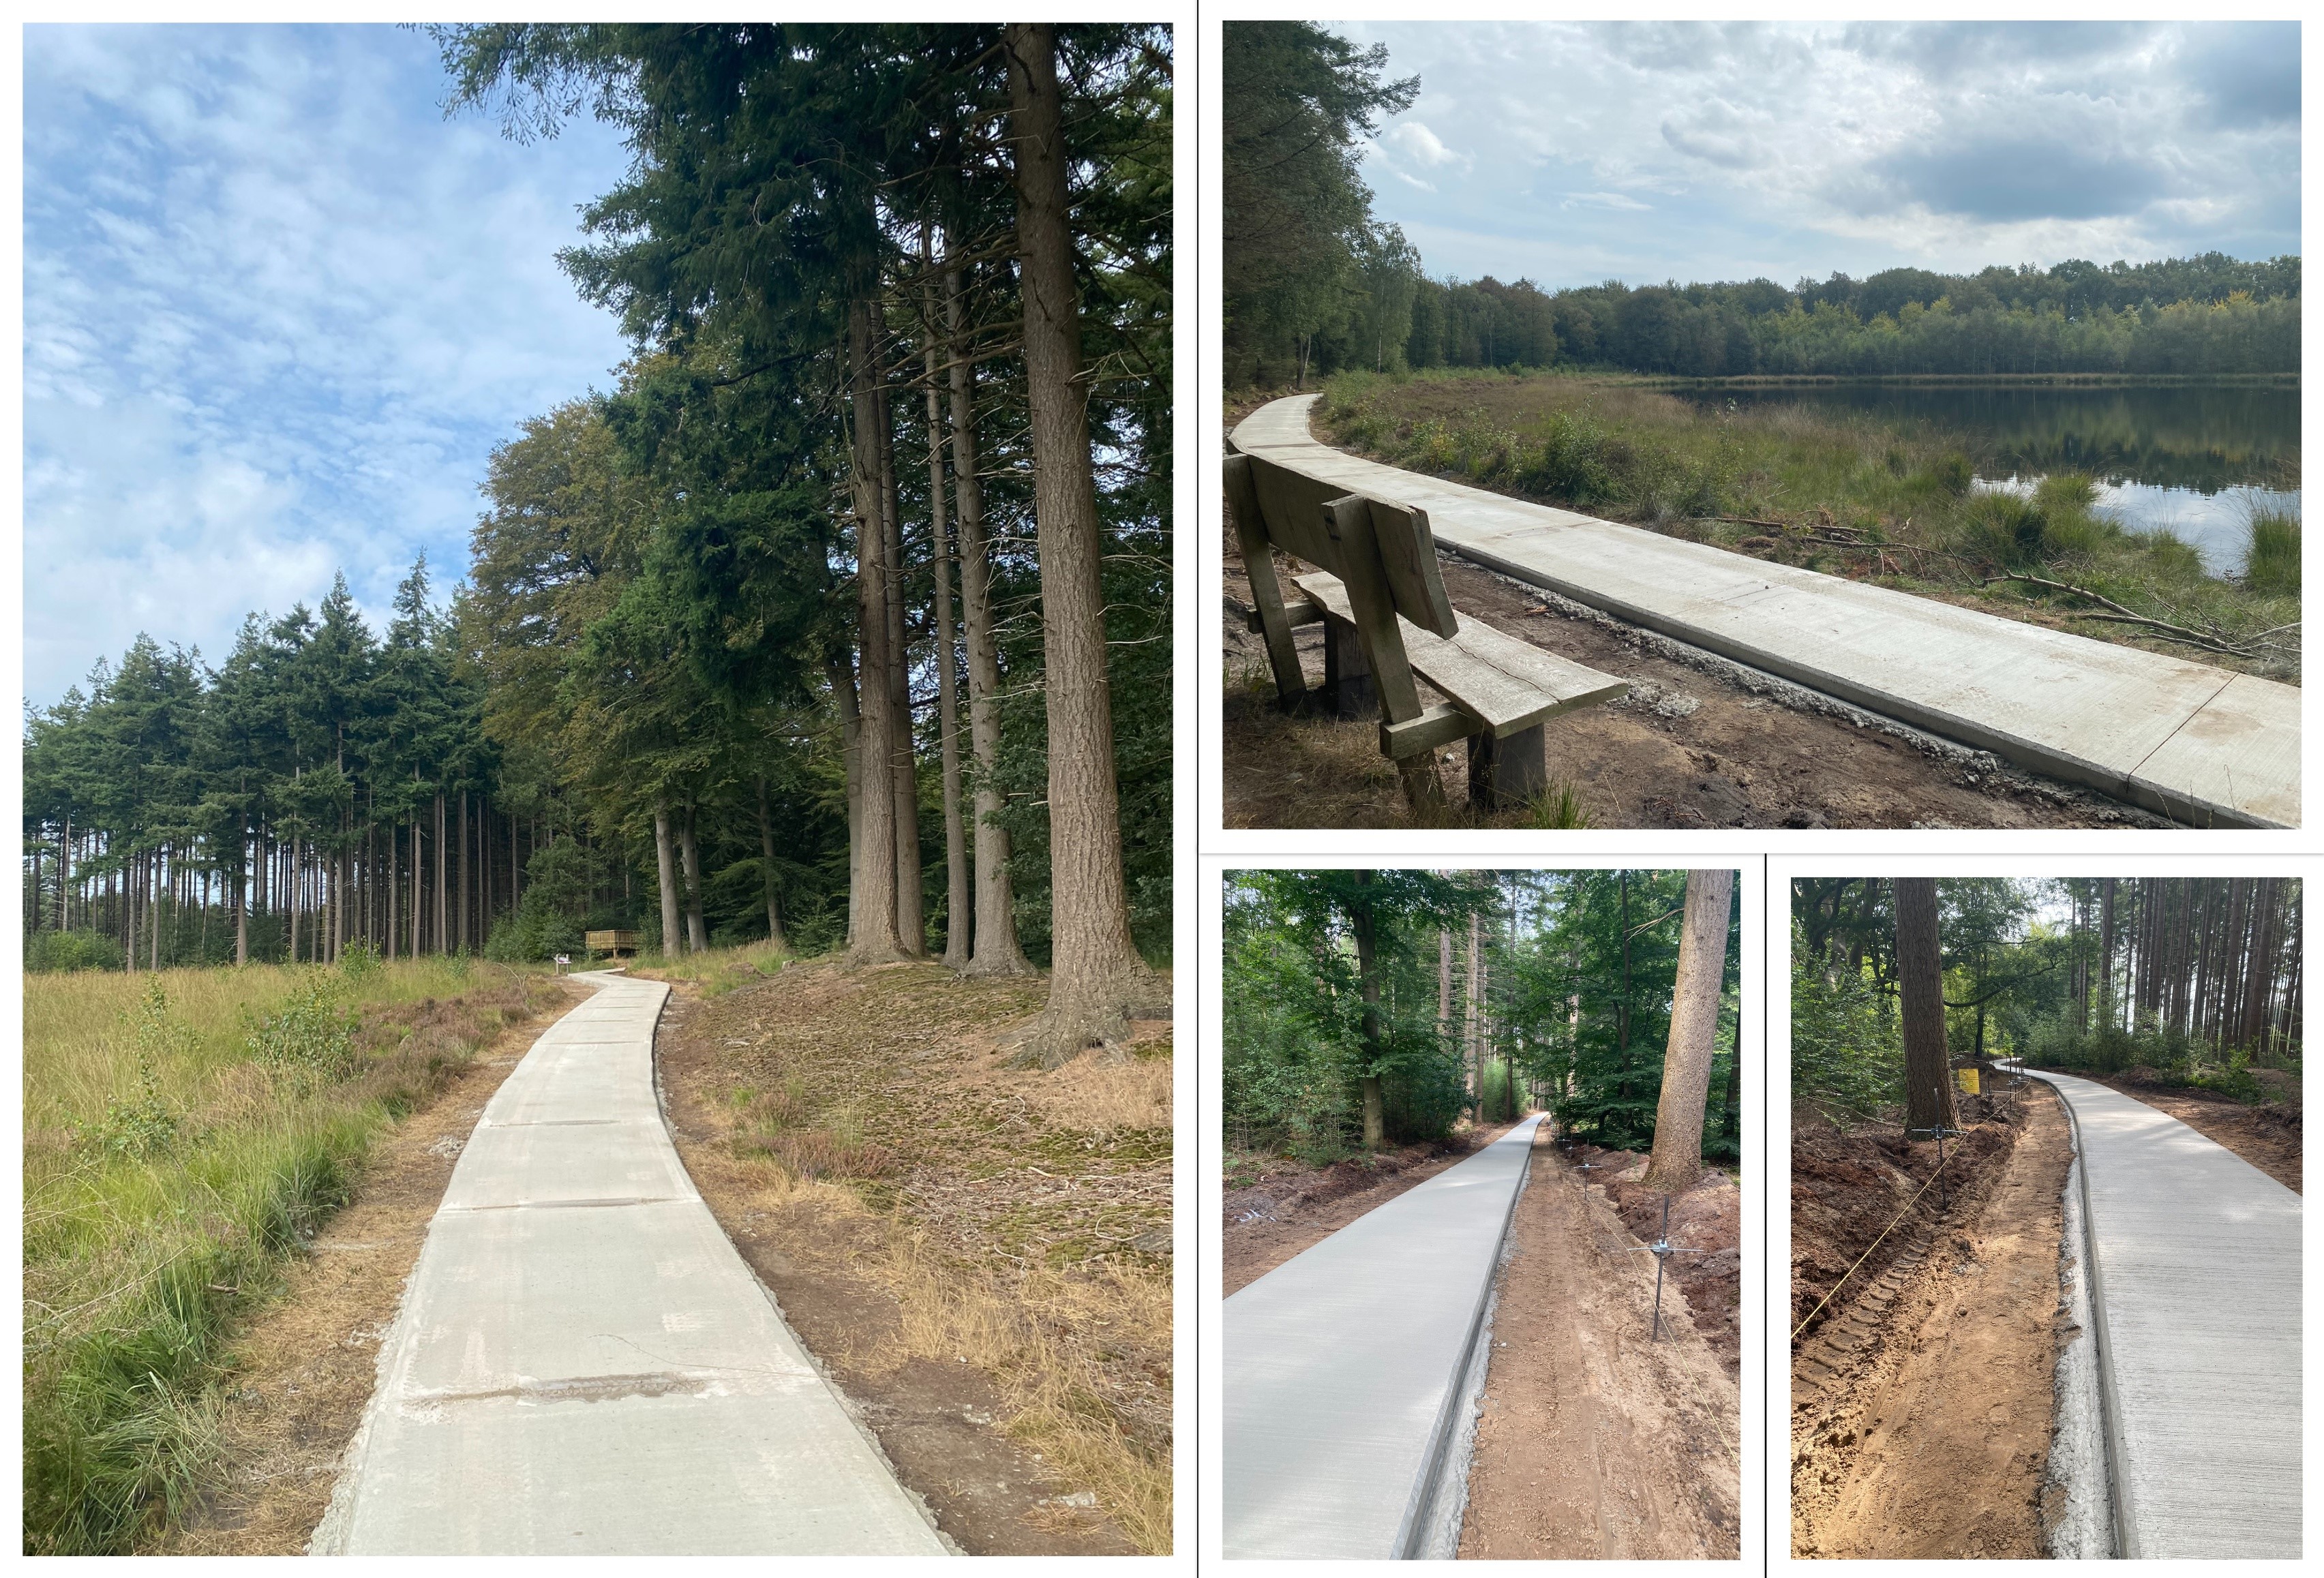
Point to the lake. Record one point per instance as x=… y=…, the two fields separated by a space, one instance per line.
x=2195 y=459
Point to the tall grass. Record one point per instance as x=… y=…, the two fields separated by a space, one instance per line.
x=2272 y=553
x=168 y=1172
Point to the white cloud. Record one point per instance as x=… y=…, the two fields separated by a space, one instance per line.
x=277 y=311
x=1416 y=143
x=1818 y=146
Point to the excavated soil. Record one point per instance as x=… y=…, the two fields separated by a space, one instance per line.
x=1288 y=1209
x=1706 y=1222
x=1689 y=747
x=1922 y=1399
x=1596 y=1441
x=304 y=1367
x=979 y=1256
x=2268 y=1137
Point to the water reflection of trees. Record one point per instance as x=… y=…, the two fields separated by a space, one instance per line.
x=2206 y=438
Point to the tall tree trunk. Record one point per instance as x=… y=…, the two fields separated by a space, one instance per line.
x=697 y=935
x=1920 y=982
x=959 y=902
x=766 y=867
x=1677 y=1159
x=443 y=848
x=1472 y=1062
x=911 y=907
x=466 y=850
x=1097 y=973
x=873 y=937
x=673 y=940
x=1368 y=981
x=2105 y=953
x=996 y=951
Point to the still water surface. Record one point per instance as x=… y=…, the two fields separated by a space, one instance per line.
x=2196 y=460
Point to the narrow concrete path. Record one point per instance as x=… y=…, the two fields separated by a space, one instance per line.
x=584 y=1365
x=2201 y=744
x=2194 y=1260
x=1343 y=1366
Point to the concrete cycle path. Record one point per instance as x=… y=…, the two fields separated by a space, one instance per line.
x=1345 y=1367
x=2194 y=1260
x=584 y=1365
x=2201 y=744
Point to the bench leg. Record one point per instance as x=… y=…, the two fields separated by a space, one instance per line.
x=1346 y=674
x=1508 y=771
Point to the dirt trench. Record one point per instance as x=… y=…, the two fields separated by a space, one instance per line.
x=1922 y=1395
x=1597 y=1441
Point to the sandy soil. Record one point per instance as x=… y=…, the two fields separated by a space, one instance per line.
x=306 y=1367
x=996 y=1244
x=2268 y=1137
x=1708 y=1218
x=1289 y=1208
x=1921 y=1416
x=1596 y=1442
x=1687 y=748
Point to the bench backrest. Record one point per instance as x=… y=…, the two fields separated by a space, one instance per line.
x=1291 y=511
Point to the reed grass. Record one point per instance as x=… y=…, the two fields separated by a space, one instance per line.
x=168 y=1175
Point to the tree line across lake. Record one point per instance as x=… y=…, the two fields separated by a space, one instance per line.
x=1362 y=1007
x=1315 y=284
x=843 y=619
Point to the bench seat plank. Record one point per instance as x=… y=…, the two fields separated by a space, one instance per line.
x=1506 y=684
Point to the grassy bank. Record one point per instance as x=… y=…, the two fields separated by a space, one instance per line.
x=1844 y=494
x=183 y=1134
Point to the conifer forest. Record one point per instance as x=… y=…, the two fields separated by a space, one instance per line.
x=843 y=619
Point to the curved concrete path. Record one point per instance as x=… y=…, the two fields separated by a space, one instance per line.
x=1345 y=1367
x=2194 y=1259
x=2201 y=744
x=584 y=1365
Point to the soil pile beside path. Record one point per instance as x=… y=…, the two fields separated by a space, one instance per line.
x=1288 y=1208
x=1923 y=1400
x=1597 y=1441
x=980 y=1257
x=1707 y=1220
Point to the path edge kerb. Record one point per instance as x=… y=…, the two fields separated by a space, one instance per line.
x=2126 y=1542
x=2124 y=786
x=847 y=1404
x=1425 y=1487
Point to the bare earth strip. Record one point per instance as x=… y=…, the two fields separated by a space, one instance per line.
x=1922 y=1421
x=1597 y=1441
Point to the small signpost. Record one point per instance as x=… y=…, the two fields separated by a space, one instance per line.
x=563 y=960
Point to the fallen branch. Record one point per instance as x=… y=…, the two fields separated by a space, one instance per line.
x=2121 y=615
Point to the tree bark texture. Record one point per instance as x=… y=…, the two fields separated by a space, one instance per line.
x=1677 y=1159
x=959 y=900
x=672 y=937
x=871 y=935
x=1097 y=973
x=1919 y=984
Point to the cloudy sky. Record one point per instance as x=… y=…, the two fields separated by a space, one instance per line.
x=1569 y=153
x=277 y=312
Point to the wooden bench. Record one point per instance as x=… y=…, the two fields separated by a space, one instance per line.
x=615 y=942
x=1387 y=618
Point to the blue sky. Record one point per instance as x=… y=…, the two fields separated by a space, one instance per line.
x=1569 y=153
x=277 y=312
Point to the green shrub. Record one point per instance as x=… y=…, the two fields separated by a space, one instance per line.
x=310 y=1034
x=66 y=951
x=1952 y=474
x=2272 y=558
x=2004 y=527
x=359 y=962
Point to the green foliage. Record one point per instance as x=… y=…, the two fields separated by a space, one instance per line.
x=358 y=963
x=2272 y=554
x=1558 y=807
x=1848 y=1048
x=312 y=1035
x=67 y=951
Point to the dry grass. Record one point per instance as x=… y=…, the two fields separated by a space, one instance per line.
x=1017 y=1221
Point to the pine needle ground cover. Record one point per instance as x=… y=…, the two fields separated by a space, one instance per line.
x=1888 y=501
x=938 y=1228
x=184 y=1133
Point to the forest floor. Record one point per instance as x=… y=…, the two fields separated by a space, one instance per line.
x=1276 y=1207
x=1597 y=1441
x=1922 y=1395
x=979 y=1257
x=304 y=1365
x=2266 y=1135
x=1690 y=746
